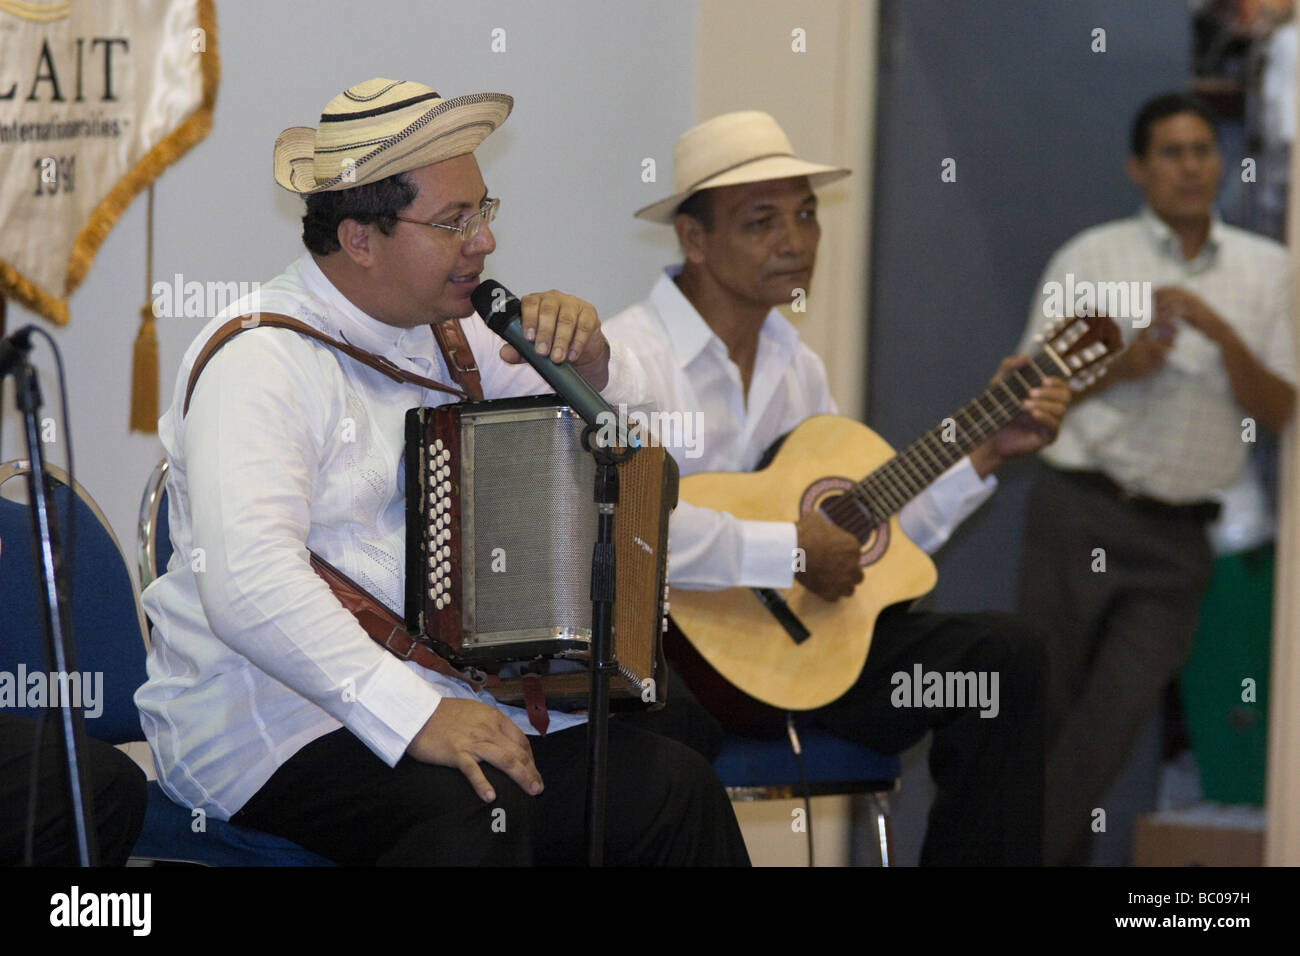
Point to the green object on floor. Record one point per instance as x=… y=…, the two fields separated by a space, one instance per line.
x=1229 y=734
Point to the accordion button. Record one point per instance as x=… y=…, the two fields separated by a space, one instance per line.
x=446 y=551
x=433 y=561
x=446 y=487
x=439 y=604
x=664 y=626
x=446 y=567
x=431 y=594
x=437 y=444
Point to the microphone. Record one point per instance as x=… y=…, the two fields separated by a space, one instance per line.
x=15 y=349
x=502 y=313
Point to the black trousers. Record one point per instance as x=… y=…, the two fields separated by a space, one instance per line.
x=1120 y=631
x=116 y=801
x=664 y=806
x=988 y=770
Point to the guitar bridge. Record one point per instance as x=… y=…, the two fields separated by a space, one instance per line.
x=789 y=621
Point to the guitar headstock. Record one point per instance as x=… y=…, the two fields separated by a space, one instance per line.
x=1084 y=344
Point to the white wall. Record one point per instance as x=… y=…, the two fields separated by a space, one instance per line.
x=598 y=86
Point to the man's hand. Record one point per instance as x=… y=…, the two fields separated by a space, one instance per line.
x=1259 y=391
x=830 y=557
x=1034 y=427
x=462 y=732
x=565 y=327
x=1174 y=304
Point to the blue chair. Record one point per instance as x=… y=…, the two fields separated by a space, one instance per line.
x=760 y=769
x=111 y=638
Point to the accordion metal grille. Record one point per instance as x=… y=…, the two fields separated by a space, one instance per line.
x=530 y=526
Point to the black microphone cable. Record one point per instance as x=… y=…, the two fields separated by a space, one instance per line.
x=69 y=551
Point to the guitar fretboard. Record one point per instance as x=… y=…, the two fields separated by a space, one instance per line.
x=884 y=492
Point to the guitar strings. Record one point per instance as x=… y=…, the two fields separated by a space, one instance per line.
x=870 y=502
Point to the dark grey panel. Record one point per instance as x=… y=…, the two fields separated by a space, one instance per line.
x=1038 y=126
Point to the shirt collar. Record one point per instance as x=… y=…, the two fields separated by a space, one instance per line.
x=690 y=335
x=1166 y=240
x=356 y=326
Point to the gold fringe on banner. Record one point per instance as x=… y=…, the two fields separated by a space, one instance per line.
x=150 y=167
x=144 y=375
x=28 y=295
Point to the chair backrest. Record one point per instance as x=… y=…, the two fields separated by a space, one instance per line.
x=105 y=619
x=153 y=533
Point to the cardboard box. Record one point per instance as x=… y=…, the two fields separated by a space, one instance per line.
x=1204 y=835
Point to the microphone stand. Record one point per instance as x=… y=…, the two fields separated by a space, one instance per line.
x=603 y=662
x=54 y=616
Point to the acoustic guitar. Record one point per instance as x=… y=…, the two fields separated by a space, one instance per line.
x=751 y=653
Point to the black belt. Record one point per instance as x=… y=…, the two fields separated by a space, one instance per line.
x=1203 y=511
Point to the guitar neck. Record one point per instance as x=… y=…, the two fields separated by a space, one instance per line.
x=887 y=489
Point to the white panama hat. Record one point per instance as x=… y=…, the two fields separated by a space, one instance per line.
x=734 y=148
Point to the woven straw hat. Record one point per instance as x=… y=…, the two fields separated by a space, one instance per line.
x=380 y=128
x=734 y=148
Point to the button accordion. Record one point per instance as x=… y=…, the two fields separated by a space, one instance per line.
x=500 y=526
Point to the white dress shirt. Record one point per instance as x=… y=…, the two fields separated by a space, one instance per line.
x=1176 y=434
x=691 y=373
x=288 y=446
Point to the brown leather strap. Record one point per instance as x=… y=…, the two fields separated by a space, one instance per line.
x=277 y=321
x=384 y=627
x=386 y=630
x=460 y=359
x=535 y=703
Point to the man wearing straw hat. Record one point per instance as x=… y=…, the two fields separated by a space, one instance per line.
x=267 y=702
x=711 y=341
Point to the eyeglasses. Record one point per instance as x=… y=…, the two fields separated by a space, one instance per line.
x=468 y=229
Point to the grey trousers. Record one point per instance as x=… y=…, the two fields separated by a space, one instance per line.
x=1118 y=635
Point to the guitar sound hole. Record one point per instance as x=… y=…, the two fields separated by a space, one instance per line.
x=830 y=496
x=848 y=514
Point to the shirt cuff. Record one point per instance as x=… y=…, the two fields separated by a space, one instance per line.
x=930 y=518
x=391 y=708
x=767 y=553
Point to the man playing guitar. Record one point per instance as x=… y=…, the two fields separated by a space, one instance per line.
x=712 y=342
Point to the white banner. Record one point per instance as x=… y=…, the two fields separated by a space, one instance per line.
x=97 y=98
